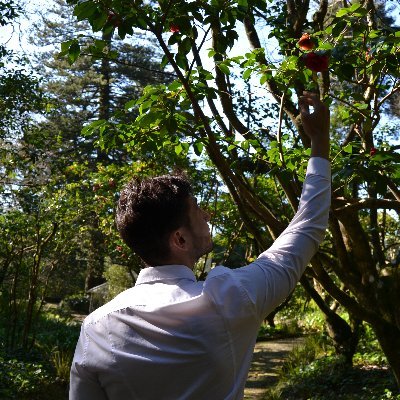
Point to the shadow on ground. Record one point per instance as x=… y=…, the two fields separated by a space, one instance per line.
x=268 y=356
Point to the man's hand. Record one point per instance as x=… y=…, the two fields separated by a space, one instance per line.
x=315 y=124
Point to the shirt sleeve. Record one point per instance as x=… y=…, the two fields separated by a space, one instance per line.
x=266 y=282
x=84 y=385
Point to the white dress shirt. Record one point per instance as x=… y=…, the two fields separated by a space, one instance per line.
x=171 y=337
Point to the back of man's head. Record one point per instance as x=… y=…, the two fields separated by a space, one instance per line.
x=149 y=210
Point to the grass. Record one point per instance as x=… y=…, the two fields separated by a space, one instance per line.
x=62 y=359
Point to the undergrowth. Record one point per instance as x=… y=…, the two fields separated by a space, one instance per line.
x=312 y=371
x=42 y=373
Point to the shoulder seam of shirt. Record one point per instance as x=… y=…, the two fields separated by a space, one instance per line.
x=244 y=294
x=101 y=318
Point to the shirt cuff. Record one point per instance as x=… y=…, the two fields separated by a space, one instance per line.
x=319 y=166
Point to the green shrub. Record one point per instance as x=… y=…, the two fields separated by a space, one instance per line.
x=42 y=373
x=21 y=377
x=283 y=329
x=78 y=303
x=388 y=395
x=368 y=349
x=301 y=356
x=118 y=280
x=312 y=320
x=329 y=378
x=62 y=360
x=55 y=330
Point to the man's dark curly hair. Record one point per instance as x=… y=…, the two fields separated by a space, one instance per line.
x=149 y=210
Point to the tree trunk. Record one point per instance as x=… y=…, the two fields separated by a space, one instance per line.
x=344 y=338
x=95 y=256
x=388 y=336
x=270 y=318
x=33 y=285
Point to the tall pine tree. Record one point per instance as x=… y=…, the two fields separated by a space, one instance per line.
x=93 y=88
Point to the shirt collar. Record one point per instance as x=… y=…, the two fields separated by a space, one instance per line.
x=165 y=273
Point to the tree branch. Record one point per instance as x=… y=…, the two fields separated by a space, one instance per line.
x=220 y=80
x=359 y=204
x=342 y=297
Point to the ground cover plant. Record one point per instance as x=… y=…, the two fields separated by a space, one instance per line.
x=42 y=372
x=313 y=371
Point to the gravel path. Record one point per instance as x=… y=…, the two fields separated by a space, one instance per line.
x=268 y=357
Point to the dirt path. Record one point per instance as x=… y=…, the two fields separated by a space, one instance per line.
x=268 y=357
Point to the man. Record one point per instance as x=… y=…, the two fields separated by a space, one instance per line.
x=171 y=337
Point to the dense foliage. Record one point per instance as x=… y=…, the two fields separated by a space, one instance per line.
x=142 y=88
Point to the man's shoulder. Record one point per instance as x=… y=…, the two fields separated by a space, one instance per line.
x=118 y=303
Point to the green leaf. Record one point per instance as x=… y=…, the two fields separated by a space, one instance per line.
x=85 y=10
x=73 y=52
x=354 y=7
x=374 y=34
x=181 y=61
x=185 y=46
x=342 y=12
x=113 y=54
x=178 y=148
x=348 y=149
x=326 y=46
x=207 y=75
x=99 y=21
x=224 y=68
x=124 y=29
x=338 y=28
x=246 y=74
x=65 y=46
x=100 y=44
x=164 y=61
x=362 y=12
x=263 y=79
x=145 y=105
x=198 y=148
x=87 y=130
x=174 y=39
x=361 y=106
x=141 y=23
x=130 y=104
x=175 y=85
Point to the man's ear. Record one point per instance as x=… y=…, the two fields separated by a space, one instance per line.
x=177 y=240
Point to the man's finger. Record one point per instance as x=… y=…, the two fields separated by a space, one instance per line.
x=304 y=103
x=310 y=99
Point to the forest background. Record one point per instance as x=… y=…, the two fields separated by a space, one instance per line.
x=117 y=89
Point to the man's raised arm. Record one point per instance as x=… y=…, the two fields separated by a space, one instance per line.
x=270 y=278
